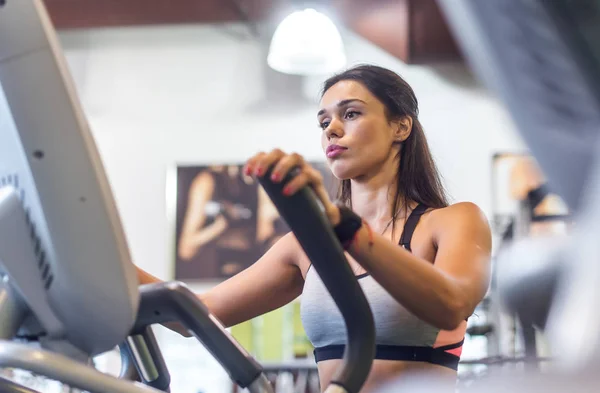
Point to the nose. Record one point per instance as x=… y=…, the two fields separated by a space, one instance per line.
x=335 y=129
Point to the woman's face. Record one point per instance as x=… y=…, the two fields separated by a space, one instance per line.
x=357 y=137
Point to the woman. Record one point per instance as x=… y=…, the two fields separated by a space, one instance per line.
x=422 y=291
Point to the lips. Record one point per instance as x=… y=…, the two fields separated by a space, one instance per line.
x=334 y=150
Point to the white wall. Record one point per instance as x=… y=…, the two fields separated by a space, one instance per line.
x=159 y=96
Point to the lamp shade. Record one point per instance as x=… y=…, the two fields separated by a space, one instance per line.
x=306 y=43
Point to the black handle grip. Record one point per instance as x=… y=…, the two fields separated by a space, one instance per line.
x=313 y=231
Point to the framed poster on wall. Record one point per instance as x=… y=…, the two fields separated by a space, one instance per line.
x=223 y=220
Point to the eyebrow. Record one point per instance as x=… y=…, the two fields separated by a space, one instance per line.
x=342 y=103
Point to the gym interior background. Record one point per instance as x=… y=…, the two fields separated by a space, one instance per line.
x=159 y=94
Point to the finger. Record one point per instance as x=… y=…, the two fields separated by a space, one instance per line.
x=251 y=163
x=307 y=176
x=285 y=165
x=266 y=161
x=299 y=181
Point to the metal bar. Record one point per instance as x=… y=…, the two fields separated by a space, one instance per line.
x=65 y=370
x=12 y=310
x=149 y=361
x=8 y=386
x=260 y=385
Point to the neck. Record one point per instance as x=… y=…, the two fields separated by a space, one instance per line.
x=373 y=195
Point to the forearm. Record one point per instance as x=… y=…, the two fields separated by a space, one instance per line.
x=193 y=241
x=424 y=290
x=209 y=233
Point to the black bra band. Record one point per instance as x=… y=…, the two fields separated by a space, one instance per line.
x=411 y=225
x=436 y=356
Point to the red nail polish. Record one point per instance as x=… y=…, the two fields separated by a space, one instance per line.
x=287 y=190
x=247 y=171
x=275 y=177
x=259 y=171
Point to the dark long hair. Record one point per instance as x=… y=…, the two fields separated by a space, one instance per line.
x=418 y=179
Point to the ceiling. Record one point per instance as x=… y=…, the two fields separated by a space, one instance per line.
x=412 y=30
x=93 y=13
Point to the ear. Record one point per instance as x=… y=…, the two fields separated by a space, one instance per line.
x=402 y=128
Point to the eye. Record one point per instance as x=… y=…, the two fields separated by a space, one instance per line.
x=324 y=124
x=351 y=114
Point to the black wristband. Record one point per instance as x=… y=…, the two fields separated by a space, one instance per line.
x=349 y=224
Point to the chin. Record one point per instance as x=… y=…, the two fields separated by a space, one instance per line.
x=342 y=171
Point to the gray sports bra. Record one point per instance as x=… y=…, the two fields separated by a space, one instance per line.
x=399 y=334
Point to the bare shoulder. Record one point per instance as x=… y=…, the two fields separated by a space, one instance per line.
x=458 y=217
x=461 y=211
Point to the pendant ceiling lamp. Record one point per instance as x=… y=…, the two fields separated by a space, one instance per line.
x=307 y=42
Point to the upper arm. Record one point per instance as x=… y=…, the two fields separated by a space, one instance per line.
x=273 y=281
x=464 y=243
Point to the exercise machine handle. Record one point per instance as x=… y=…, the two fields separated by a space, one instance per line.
x=303 y=214
x=174 y=301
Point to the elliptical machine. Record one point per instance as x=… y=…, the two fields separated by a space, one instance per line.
x=69 y=290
